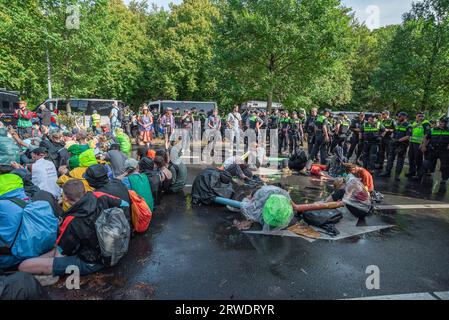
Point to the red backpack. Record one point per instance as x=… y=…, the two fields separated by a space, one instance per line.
x=140 y=212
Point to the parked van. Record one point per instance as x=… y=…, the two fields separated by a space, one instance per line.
x=9 y=102
x=85 y=107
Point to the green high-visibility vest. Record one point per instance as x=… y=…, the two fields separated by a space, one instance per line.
x=368 y=128
x=439 y=132
x=418 y=131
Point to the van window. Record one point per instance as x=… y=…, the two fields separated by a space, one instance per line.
x=103 y=107
x=5 y=107
x=78 y=106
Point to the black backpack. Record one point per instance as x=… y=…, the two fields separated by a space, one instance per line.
x=324 y=219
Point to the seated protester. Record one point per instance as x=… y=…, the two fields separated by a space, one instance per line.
x=97 y=177
x=297 y=160
x=146 y=166
x=9 y=151
x=55 y=145
x=17 y=217
x=336 y=166
x=177 y=168
x=237 y=169
x=339 y=191
x=139 y=182
x=75 y=150
x=117 y=160
x=43 y=172
x=361 y=173
x=77 y=243
x=142 y=152
x=77 y=173
x=124 y=141
x=30 y=188
x=164 y=173
x=26 y=144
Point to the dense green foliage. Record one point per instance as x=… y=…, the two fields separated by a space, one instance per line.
x=301 y=53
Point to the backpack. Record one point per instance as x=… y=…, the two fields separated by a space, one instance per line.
x=324 y=219
x=113 y=233
x=36 y=233
x=140 y=212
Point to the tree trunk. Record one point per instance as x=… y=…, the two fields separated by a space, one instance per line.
x=429 y=77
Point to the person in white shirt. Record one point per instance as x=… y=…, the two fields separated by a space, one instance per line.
x=43 y=173
x=234 y=124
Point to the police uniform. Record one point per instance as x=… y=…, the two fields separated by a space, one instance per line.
x=341 y=136
x=384 y=147
x=320 y=144
x=309 y=127
x=294 y=133
x=437 y=148
x=284 y=124
x=398 y=148
x=415 y=155
x=177 y=115
x=371 y=135
x=355 y=143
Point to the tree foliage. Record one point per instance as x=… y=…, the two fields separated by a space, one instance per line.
x=301 y=53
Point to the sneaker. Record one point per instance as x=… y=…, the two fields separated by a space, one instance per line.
x=385 y=175
x=47 y=280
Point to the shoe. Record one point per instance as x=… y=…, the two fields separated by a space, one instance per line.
x=396 y=178
x=385 y=175
x=443 y=182
x=409 y=175
x=47 y=280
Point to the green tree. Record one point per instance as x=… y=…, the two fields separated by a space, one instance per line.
x=292 y=51
x=414 y=70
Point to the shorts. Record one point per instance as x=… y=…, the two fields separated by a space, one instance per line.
x=60 y=265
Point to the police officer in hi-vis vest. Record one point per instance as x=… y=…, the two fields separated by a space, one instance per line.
x=436 y=146
x=420 y=128
x=371 y=134
x=398 y=146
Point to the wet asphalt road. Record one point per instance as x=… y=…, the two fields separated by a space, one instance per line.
x=196 y=253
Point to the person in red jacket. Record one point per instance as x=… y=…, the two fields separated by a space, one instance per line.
x=24 y=119
x=361 y=173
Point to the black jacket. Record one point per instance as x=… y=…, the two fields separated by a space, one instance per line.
x=78 y=235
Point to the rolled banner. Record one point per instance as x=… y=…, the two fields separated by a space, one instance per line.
x=318 y=206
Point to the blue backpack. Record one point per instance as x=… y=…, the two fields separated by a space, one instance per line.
x=36 y=233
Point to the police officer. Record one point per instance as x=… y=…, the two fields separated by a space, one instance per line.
x=341 y=131
x=420 y=128
x=355 y=142
x=436 y=146
x=295 y=131
x=322 y=137
x=398 y=146
x=389 y=125
x=309 y=127
x=177 y=115
x=371 y=133
x=284 y=125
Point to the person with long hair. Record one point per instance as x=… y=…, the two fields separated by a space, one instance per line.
x=146 y=126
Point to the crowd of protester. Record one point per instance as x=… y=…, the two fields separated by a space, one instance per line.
x=70 y=178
